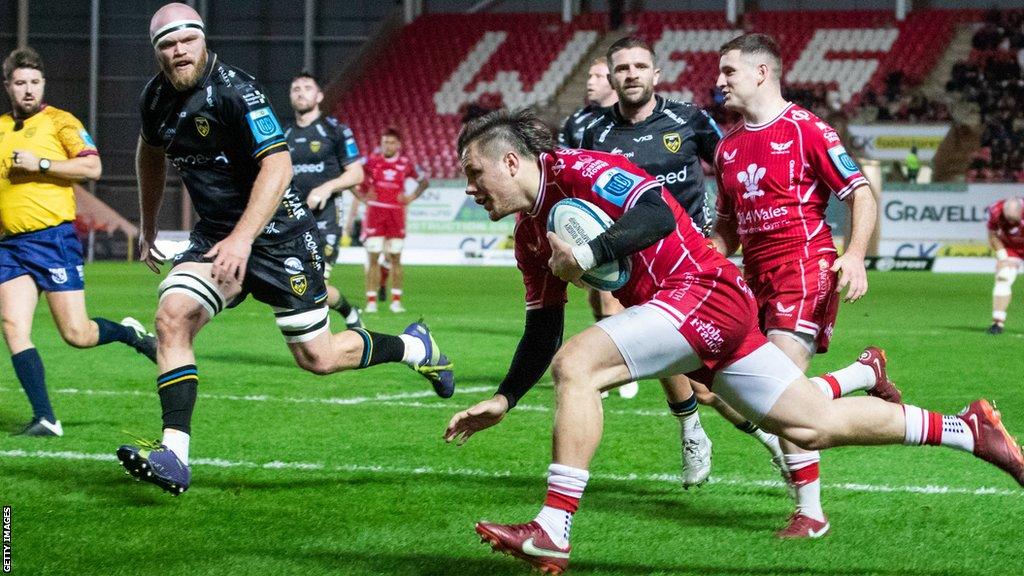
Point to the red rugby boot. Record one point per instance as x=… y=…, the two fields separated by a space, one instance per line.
x=527 y=542
x=874 y=358
x=801 y=526
x=992 y=443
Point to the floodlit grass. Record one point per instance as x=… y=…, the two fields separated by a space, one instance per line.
x=347 y=474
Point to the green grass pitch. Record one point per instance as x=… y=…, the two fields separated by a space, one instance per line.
x=347 y=474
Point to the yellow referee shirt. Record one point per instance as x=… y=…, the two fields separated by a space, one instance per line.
x=31 y=201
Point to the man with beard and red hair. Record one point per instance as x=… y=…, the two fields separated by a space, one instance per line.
x=255 y=236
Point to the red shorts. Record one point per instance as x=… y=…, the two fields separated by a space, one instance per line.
x=384 y=221
x=717 y=316
x=799 y=296
x=1017 y=253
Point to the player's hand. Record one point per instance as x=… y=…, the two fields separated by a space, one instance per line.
x=852 y=276
x=404 y=199
x=25 y=161
x=562 y=262
x=318 y=198
x=149 y=254
x=482 y=415
x=230 y=257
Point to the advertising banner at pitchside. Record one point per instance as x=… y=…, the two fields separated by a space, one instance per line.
x=893 y=141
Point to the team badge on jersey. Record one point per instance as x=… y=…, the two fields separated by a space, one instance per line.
x=314 y=146
x=672 y=141
x=299 y=284
x=202 y=126
x=58 y=275
x=30 y=132
x=842 y=161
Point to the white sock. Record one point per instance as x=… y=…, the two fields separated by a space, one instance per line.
x=396 y=293
x=352 y=316
x=415 y=351
x=177 y=441
x=999 y=316
x=854 y=377
x=932 y=428
x=565 y=488
x=803 y=469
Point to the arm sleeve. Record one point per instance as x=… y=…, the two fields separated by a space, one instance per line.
x=73 y=136
x=246 y=107
x=829 y=159
x=708 y=134
x=649 y=220
x=348 y=150
x=541 y=339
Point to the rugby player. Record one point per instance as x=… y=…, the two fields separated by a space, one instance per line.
x=43 y=152
x=599 y=95
x=254 y=236
x=688 y=311
x=668 y=139
x=325 y=163
x=384 y=228
x=1006 y=236
x=775 y=173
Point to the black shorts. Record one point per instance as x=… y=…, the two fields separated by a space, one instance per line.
x=288 y=274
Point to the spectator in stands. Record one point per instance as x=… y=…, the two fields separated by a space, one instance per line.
x=44 y=151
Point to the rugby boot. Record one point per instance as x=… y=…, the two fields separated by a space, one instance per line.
x=629 y=390
x=801 y=526
x=435 y=367
x=874 y=358
x=41 y=427
x=995 y=329
x=527 y=542
x=145 y=343
x=696 y=454
x=156 y=464
x=992 y=443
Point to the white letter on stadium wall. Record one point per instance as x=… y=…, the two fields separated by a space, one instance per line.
x=851 y=75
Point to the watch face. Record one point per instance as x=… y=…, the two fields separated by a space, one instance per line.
x=44 y=164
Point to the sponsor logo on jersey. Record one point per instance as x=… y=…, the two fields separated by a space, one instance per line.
x=672 y=177
x=784 y=310
x=314 y=146
x=615 y=184
x=673 y=116
x=83 y=134
x=729 y=156
x=760 y=218
x=558 y=166
x=263 y=125
x=299 y=284
x=643 y=138
x=292 y=265
x=389 y=174
x=832 y=137
x=751 y=180
x=799 y=115
x=842 y=161
x=708 y=332
x=202 y=126
x=254 y=98
x=673 y=142
x=58 y=275
x=781 y=147
x=593 y=168
x=192 y=160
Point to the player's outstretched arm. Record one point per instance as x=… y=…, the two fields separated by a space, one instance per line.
x=151 y=170
x=998 y=247
x=863 y=213
x=541 y=338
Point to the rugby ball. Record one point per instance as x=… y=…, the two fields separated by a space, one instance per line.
x=577 y=222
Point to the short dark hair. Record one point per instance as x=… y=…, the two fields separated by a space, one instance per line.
x=756 y=44
x=521 y=129
x=393 y=132
x=22 y=58
x=305 y=74
x=626 y=43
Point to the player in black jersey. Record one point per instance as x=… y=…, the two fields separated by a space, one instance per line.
x=599 y=95
x=254 y=236
x=325 y=163
x=668 y=139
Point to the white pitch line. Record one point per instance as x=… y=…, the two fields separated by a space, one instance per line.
x=472 y=472
x=264 y=398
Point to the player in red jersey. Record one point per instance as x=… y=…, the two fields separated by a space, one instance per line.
x=689 y=311
x=384 y=229
x=775 y=173
x=1006 y=236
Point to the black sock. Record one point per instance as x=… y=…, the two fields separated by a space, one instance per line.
x=28 y=366
x=114 y=332
x=178 y=389
x=342 y=306
x=748 y=427
x=684 y=408
x=379 y=348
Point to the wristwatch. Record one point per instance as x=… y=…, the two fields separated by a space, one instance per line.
x=44 y=165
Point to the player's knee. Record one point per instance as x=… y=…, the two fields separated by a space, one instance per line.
x=77 y=334
x=809 y=438
x=1005 y=278
x=568 y=371
x=176 y=322
x=314 y=363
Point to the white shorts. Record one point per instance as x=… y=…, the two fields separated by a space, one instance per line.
x=653 y=348
x=378 y=244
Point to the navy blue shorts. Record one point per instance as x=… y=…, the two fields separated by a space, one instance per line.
x=51 y=256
